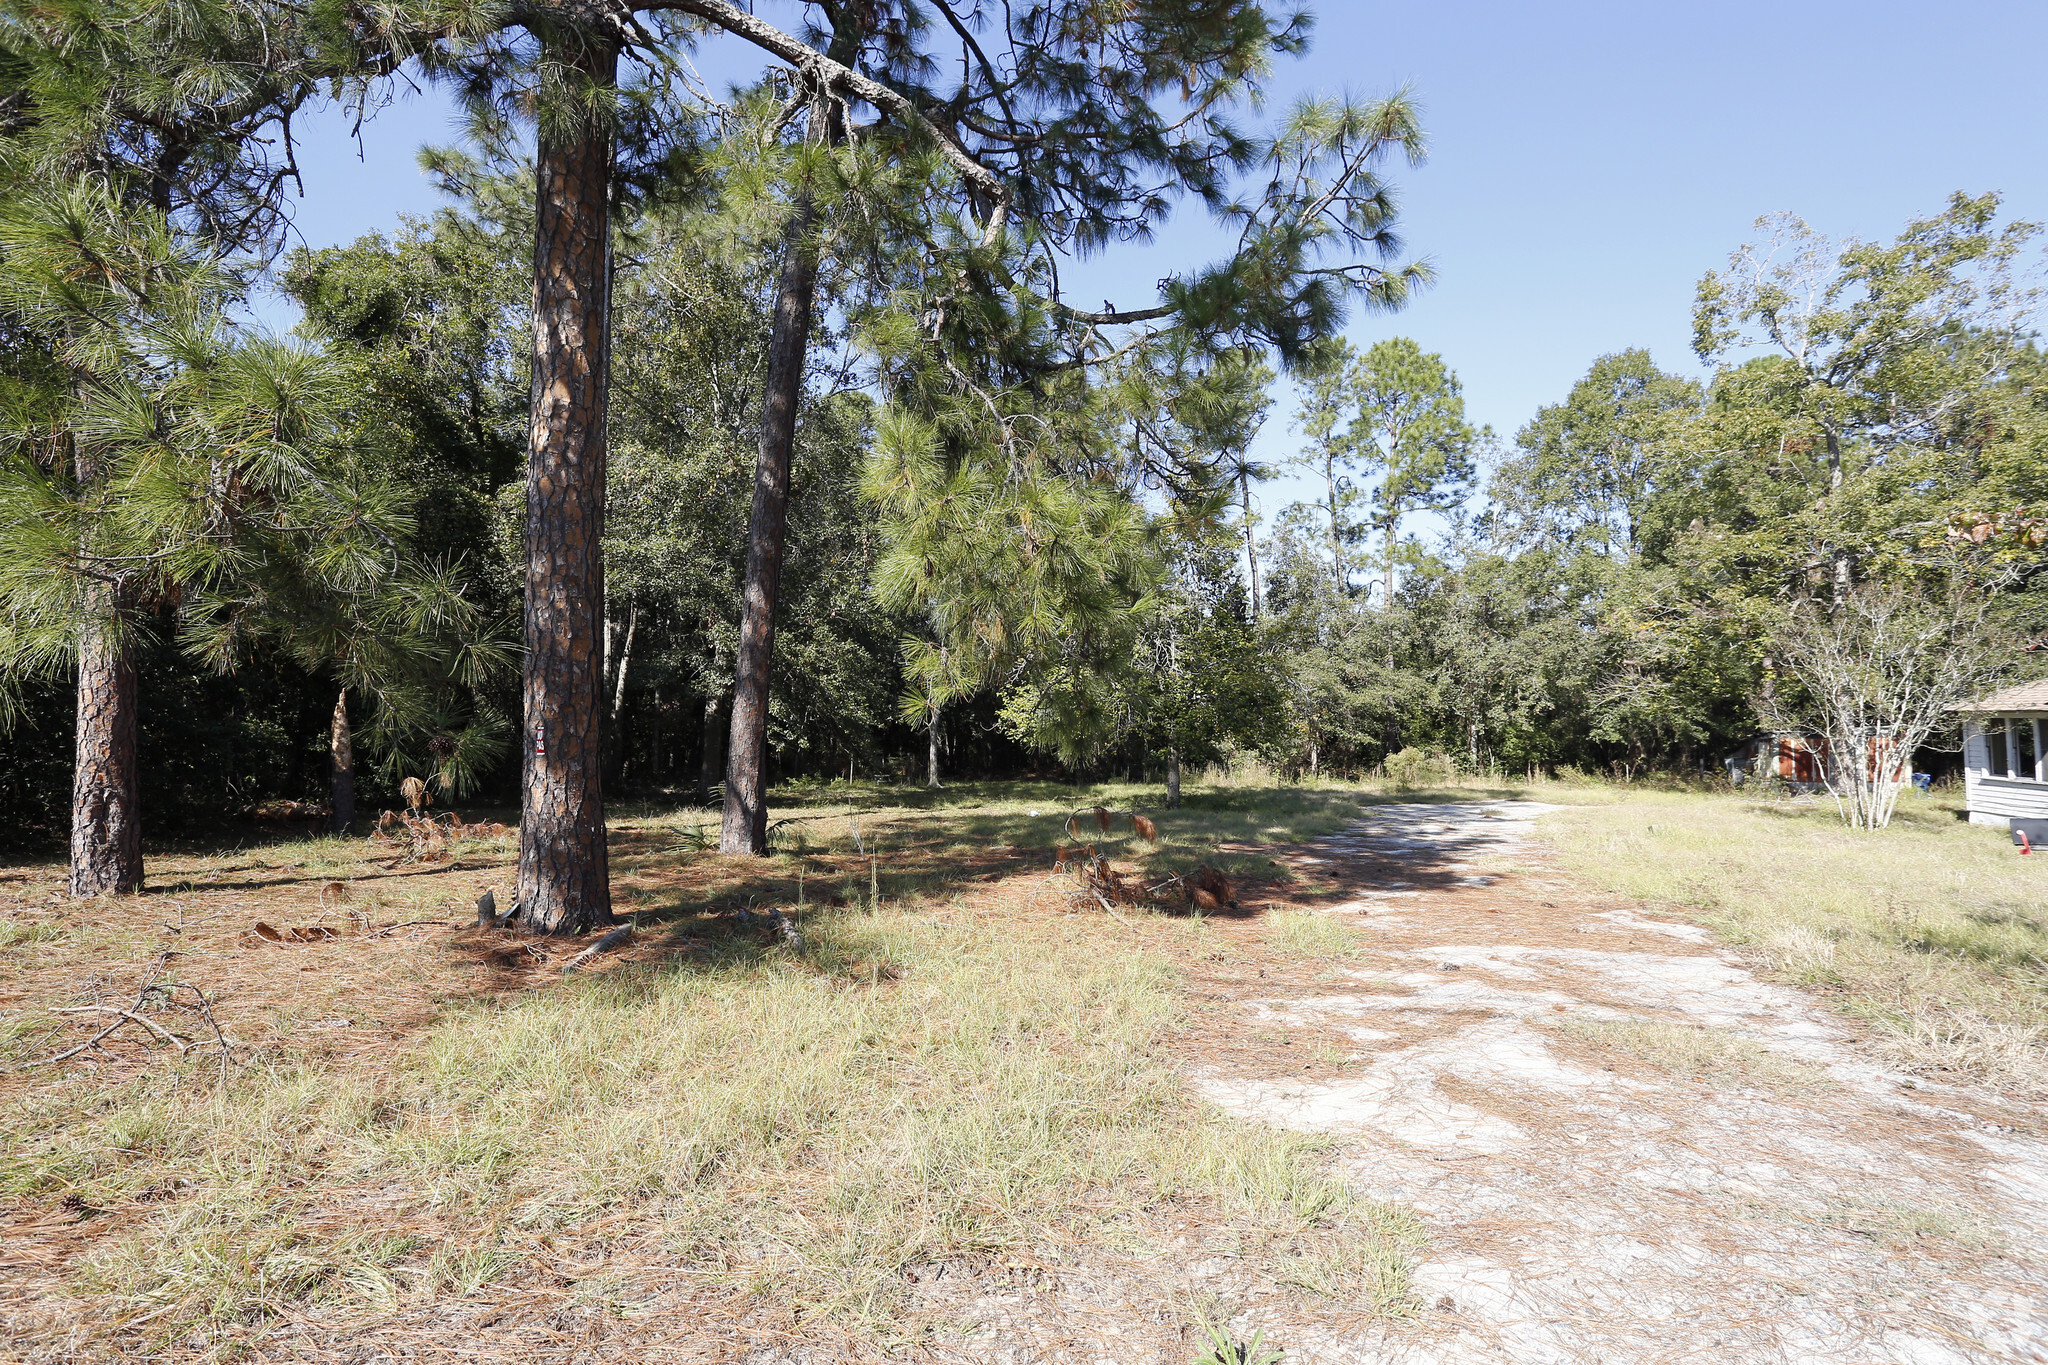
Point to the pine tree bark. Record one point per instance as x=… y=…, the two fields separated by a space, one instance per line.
x=1387 y=590
x=564 y=879
x=341 y=751
x=932 y=758
x=745 y=827
x=106 y=787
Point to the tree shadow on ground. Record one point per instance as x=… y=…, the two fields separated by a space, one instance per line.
x=1354 y=863
x=838 y=845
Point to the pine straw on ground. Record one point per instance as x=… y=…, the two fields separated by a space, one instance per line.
x=954 y=1110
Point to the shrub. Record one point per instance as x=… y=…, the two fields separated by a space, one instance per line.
x=1412 y=768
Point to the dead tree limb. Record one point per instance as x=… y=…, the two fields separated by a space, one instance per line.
x=177 y=1040
x=121 y=1017
x=610 y=941
x=791 y=935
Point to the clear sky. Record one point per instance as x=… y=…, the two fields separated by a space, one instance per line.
x=1589 y=159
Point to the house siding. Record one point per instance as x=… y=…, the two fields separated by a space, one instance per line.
x=1996 y=800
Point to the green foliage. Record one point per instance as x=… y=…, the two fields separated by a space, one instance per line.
x=425 y=325
x=1190 y=681
x=1622 y=599
x=1414 y=768
x=1222 y=1349
x=1875 y=361
x=179 y=477
x=150 y=449
x=1394 y=415
x=1003 y=504
x=183 y=109
x=1588 y=469
x=1008 y=568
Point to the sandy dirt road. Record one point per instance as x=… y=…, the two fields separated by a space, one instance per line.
x=1586 y=1204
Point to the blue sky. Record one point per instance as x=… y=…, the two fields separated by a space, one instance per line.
x=1588 y=160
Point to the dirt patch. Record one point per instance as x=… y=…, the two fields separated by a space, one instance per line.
x=1588 y=1197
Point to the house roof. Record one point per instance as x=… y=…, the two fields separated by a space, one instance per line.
x=2031 y=696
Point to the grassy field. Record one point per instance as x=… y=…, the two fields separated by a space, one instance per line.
x=422 y=1125
x=1934 y=931
x=423 y=1134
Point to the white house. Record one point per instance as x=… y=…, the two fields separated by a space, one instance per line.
x=2005 y=755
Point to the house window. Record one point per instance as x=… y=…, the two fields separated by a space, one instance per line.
x=2026 y=754
x=1994 y=748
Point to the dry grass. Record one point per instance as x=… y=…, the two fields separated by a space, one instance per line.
x=1912 y=1227
x=1698 y=1053
x=1312 y=934
x=1934 y=930
x=430 y=1120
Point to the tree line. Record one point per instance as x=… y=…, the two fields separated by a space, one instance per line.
x=709 y=439
x=909 y=176
x=1648 y=570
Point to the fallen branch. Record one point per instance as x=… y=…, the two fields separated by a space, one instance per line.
x=413 y=923
x=1103 y=901
x=90 y=1043
x=177 y=1040
x=133 y=1015
x=225 y=1044
x=121 y=1017
x=610 y=941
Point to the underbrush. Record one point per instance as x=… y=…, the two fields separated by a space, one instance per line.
x=1933 y=930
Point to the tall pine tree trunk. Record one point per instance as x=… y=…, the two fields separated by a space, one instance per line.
x=564 y=880
x=341 y=750
x=106 y=788
x=932 y=766
x=745 y=829
x=1393 y=540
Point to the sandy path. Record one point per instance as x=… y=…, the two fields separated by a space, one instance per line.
x=1584 y=1205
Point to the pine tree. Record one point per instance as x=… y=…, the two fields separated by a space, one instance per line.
x=1410 y=430
x=152 y=456
x=1066 y=130
x=185 y=108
